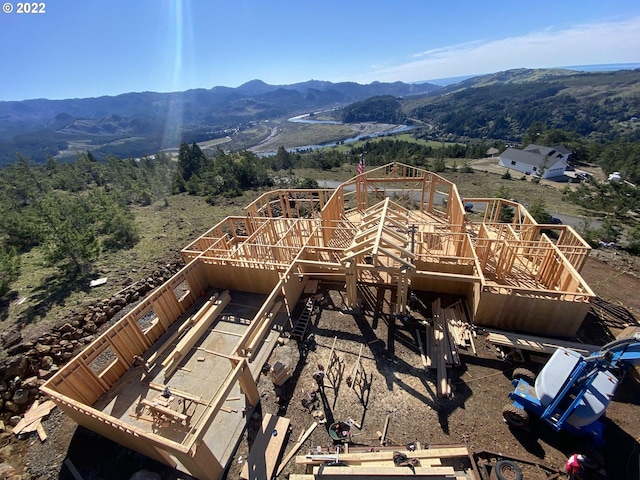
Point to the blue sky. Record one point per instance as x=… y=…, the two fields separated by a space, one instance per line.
x=84 y=48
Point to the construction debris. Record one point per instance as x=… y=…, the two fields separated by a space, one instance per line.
x=384 y=430
x=31 y=422
x=279 y=373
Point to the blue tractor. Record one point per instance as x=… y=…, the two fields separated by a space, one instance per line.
x=571 y=392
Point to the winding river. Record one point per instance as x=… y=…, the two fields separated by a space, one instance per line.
x=374 y=131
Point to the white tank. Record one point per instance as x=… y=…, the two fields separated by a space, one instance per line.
x=595 y=401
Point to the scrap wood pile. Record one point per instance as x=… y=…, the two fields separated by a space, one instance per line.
x=446 y=462
x=31 y=422
x=280 y=373
x=449 y=332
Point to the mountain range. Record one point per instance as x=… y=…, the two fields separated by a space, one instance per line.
x=140 y=123
x=500 y=106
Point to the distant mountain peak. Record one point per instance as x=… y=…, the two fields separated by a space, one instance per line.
x=255 y=87
x=253 y=83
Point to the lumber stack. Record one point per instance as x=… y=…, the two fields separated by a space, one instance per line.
x=442 y=356
x=31 y=422
x=536 y=344
x=279 y=373
x=385 y=473
x=437 y=462
x=449 y=331
x=460 y=328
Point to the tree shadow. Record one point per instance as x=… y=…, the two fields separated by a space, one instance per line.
x=53 y=290
x=5 y=303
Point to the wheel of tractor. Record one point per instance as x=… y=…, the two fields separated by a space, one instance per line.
x=506 y=470
x=593 y=459
x=524 y=374
x=514 y=416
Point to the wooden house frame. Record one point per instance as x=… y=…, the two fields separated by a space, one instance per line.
x=395 y=225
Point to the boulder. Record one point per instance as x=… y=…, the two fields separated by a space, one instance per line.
x=42 y=349
x=10 y=406
x=20 y=396
x=14 y=420
x=11 y=338
x=46 y=362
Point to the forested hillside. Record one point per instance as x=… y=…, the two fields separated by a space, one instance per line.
x=381 y=109
x=601 y=106
x=75 y=211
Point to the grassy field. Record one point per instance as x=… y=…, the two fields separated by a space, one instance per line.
x=42 y=298
x=406 y=137
x=290 y=135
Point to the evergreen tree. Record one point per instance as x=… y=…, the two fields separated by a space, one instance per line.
x=538 y=211
x=9 y=268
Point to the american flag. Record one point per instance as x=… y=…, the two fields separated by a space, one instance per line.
x=361 y=165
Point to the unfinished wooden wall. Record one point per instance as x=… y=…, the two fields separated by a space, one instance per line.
x=437 y=285
x=242 y=278
x=548 y=315
x=293 y=288
x=93 y=371
x=455 y=210
x=332 y=213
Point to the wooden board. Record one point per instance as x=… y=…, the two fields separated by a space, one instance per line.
x=384 y=473
x=296 y=447
x=535 y=343
x=31 y=419
x=266 y=448
x=364 y=457
x=311 y=286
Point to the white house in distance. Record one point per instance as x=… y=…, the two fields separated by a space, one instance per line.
x=544 y=162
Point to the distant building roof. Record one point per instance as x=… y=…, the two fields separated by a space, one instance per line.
x=562 y=149
x=555 y=151
x=533 y=158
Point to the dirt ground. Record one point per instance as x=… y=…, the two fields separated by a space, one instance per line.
x=398 y=386
x=401 y=388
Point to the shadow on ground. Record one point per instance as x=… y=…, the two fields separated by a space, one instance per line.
x=96 y=458
x=53 y=290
